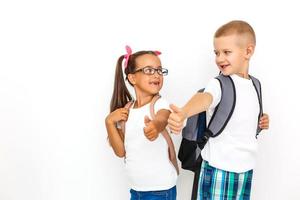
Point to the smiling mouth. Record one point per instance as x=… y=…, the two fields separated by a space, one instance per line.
x=155 y=83
x=223 y=66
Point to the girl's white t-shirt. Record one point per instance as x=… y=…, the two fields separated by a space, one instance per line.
x=235 y=148
x=147 y=162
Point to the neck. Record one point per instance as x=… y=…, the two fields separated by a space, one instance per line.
x=243 y=75
x=142 y=99
x=244 y=72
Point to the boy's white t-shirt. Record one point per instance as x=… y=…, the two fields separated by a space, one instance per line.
x=236 y=147
x=147 y=162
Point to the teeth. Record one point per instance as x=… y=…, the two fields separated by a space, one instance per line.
x=222 y=66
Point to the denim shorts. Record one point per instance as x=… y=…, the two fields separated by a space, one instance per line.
x=169 y=194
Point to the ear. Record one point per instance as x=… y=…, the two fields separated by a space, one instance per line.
x=131 y=79
x=249 y=51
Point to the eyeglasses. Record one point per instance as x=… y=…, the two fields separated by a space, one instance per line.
x=150 y=71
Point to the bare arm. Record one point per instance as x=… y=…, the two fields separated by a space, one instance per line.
x=157 y=125
x=116 y=136
x=161 y=119
x=198 y=103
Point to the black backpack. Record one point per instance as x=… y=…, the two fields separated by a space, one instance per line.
x=196 y=133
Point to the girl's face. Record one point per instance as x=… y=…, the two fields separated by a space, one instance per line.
x=143 y=81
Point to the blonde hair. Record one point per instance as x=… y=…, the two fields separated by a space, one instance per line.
x=238 y=27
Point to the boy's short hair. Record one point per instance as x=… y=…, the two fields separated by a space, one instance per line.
x=236 y=27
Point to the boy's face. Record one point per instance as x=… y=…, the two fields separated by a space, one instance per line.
x=232 y=54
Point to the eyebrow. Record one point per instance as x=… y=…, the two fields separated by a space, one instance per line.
x=222 y=50
x=152 y=66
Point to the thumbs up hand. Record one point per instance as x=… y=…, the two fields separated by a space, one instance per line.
x=176 y=119
x=150 y=129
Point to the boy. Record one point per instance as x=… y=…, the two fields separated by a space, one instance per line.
x=228 y=159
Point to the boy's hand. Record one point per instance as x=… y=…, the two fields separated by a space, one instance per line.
x=120 y=114
x=176 y=119
x=150 y=129
x=264 y=121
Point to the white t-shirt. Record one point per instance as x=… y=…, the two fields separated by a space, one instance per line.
x=235 y=148
x=147 y=162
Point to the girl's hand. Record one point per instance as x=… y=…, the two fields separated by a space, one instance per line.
x=150 y=129
x=264 y=121
x=120 y=114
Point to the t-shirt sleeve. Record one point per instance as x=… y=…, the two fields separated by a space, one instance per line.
x=161 y=104
x=213 y=87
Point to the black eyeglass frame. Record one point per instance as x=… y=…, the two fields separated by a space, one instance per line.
x=160 y=71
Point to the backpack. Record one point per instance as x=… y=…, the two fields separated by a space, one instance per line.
x=196 y=132
x=165 y=133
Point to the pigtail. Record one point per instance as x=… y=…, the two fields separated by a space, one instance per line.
x=121 y=95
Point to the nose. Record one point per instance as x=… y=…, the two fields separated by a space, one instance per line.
x=220 y=58
x=156 y=73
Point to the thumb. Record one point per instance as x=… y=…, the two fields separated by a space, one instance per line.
x=175 y=108
x=147 y=120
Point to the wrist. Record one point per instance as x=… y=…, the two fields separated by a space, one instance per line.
x=109 y=122
x=184 y=114
x=158 y=125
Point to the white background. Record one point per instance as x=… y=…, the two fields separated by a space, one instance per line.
x=57 y=62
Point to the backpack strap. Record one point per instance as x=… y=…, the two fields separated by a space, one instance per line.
x=196 y=183
x=224 y=109
x=166 y=135
x=257 y=87
x=122 y=123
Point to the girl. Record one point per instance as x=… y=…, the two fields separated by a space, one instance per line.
x=147 y=163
